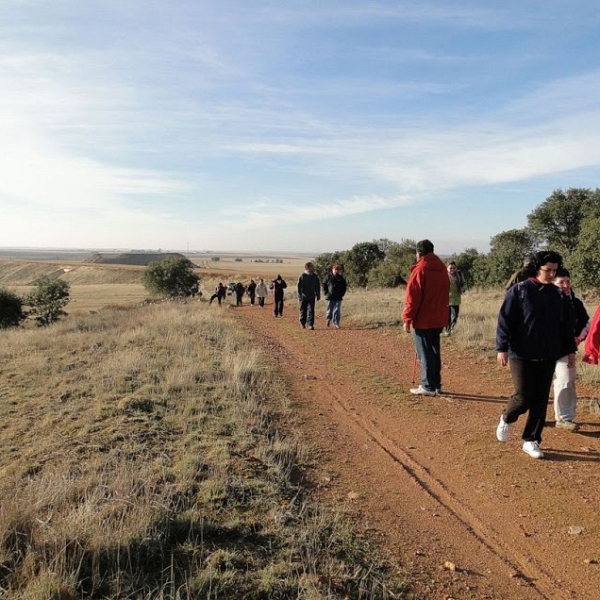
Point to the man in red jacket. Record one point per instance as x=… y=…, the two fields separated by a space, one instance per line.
x=426 y=314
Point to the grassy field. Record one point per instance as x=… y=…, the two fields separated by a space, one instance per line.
x=147 y=452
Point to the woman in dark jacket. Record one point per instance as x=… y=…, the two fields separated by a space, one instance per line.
x=535 y=328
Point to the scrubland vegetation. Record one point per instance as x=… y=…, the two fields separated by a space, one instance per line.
x=148 y=452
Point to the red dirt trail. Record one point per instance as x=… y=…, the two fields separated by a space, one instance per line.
x=465 y=516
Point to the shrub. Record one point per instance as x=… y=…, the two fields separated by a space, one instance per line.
x=11 y=309
x=170 y=277
x=48 y=299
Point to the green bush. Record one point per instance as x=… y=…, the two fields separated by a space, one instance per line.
x=48 y=300
x=170 y=277
x=11 y=309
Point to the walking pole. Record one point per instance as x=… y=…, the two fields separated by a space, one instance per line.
x=414 y=367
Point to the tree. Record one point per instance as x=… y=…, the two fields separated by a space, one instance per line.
x=325 y=261
x=507 y=250
x=11 y=309
x=556 y=223
x=584 y=262
x=170 y=277
x=361 y=259
x=395 y=267
x=48 y=299
x=469 y=262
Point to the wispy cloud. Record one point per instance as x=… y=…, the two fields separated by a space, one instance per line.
x=233 y=114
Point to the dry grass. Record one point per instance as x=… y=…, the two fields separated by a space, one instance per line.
x=146 y=452
x=476 y=329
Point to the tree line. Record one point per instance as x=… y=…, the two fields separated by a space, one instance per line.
x=568 y=222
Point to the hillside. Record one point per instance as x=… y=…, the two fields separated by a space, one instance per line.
x=20 y=272
x=140 y=259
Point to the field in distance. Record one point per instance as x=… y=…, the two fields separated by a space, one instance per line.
x=96 y=285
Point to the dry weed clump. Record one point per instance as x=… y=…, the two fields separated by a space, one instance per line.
x=149 y=453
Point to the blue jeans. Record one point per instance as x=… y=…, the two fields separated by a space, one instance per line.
x=453 y=311
x=334 y=311
x=427 y=344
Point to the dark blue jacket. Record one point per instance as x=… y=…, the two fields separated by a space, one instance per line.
x=334 y=287
x=580 y=314
x=535 y=323
x=309 y=286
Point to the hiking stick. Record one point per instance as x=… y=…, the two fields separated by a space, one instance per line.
x=414 y=367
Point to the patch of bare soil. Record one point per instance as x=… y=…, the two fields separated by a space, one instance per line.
x=465 y=516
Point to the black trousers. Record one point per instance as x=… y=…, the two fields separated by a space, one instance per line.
x=278 y=307
x=307 y=311
x=532 y=380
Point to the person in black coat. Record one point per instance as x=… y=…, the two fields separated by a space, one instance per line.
x=277 y=286
x=334 y=290
x=309 y=291
x=535 y=329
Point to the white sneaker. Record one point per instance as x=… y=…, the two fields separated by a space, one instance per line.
x=421 y=391
x=533 y=449
x=503 y=430
x=568 y=425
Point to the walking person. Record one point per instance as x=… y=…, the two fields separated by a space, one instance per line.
x=457 y=285
x=251 y=291
x=309 y=291
x=239 y=293
x=220 y=293
x=334 y=289
x=535 y=329
x=565 y=393
x=261 y=292
x=278 y=286
x=426 y=314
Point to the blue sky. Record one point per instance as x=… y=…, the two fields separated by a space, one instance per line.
x=300 y=125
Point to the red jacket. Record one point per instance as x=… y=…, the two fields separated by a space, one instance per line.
x=427 y=292
x=592 y=341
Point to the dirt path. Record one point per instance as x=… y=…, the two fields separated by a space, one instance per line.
x=467 y=517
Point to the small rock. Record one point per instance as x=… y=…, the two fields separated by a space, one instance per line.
x=590 y=561
x=575 y=530
x=449 y=566
x=353 y=495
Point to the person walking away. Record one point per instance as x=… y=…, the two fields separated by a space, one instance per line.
x=457 y=285
x=426 y=314
x=261 y=292
x=220 y=293
x=309 y=291
x=251 y=290
x=239 y=293
x=278 y=286
x=522 y=273
x=535 y=329
x=565 y=392
x=334 y=290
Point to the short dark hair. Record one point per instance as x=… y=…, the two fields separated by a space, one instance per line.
x=547 y=256
x=562 y=272
x=424 y=247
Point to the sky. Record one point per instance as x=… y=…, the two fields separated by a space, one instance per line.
x=291 y=125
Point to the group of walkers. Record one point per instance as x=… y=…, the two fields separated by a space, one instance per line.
x=309 y=288
x=540 y=324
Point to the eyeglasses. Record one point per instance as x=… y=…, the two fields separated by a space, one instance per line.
x=548 y=270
